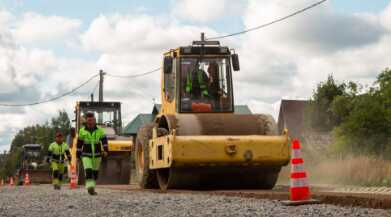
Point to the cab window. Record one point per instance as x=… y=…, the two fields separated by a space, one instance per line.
x=169 y=83
x=205 y=85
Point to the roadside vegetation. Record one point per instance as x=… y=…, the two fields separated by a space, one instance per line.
x=359 y=119
x=42 y=134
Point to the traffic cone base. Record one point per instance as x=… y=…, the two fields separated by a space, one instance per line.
x=26 y=180
x=299 y=187
x=73 y=181
x=11 y=181
x=299 y=202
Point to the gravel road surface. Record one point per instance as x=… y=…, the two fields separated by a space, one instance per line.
x=44 y=201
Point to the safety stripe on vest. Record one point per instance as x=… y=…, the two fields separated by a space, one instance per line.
x=91 y=143
x=301 y=182
x=90 y=154
x=297 y=161
x=58 y=161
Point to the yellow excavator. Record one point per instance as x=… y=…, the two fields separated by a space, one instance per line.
x=115 y=169
x=197 y=140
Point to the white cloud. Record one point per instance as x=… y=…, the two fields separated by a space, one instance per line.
x=201 y=10
x=131 y=34
x=288 y=59
x=38 y=28
x=5 y=17
x=30 y=74
x=205 y=10
x=386 y=18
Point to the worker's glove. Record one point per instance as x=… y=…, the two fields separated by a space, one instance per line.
x=105 y=154
x=48 y=160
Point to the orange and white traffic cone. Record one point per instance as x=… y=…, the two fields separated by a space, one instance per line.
x=11 y=183
x=299 y=187
x=73 y=182
x=26 y=179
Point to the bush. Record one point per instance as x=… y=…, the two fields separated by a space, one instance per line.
x=360 y=120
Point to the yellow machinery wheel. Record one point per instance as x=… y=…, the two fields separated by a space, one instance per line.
x=145 y=176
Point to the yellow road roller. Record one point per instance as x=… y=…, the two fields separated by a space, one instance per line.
x=197 y=141
x=115 y=169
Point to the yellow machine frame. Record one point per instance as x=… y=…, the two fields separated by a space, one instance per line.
x=116 y=147
x=188 y=149
x=173 y=151
x=178 y=151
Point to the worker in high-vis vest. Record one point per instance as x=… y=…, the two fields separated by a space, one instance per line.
x=92 y=145
x=58 y=154
x=197 y=84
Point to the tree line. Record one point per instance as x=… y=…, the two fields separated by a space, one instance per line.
x=42 y=134
x=358 y=116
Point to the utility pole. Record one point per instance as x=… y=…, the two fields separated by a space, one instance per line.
x=101 y=74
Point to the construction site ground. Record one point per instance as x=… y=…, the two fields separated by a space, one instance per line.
x=129 y=200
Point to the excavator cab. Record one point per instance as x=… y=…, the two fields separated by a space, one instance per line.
x=33 y=164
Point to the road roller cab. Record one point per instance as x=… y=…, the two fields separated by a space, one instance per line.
x=196 y=140
x=115 y=169
x=33 y=164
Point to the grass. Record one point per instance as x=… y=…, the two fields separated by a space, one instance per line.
x=348 y=170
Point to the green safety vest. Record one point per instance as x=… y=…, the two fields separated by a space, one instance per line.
x=58 y=151
x=92 y=146
x=189 y=83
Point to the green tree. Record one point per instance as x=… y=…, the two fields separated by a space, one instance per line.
x=320 y=116
x=366 y=119
x=42 y=134
x=61 y=122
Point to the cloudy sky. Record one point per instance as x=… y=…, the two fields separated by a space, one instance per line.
x=48 y=47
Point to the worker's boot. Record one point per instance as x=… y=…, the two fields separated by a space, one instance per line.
x=57 y=187
x=92 y=191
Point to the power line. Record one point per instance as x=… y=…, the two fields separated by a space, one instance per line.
x=157 y=69
x=96 y=86
x=134 y=75
x=53 y=98
x=270 y=23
